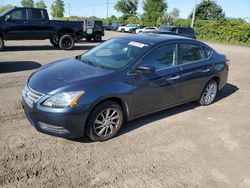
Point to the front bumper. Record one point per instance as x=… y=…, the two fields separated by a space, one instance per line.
x=66 y=123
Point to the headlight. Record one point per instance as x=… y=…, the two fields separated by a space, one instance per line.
x=63 y=100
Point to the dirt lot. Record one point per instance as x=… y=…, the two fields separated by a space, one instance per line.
x=186 y=146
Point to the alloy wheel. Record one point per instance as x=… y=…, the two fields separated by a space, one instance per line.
x=107 y=122
x=210 y=93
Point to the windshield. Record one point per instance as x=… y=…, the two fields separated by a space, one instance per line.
x=114 y=54
x=4 y=12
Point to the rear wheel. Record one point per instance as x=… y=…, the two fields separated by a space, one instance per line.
x=1 y=43
x=98 y=37
x=123 y=30
x=66 y=42
x=105 y=121
x=209 y=93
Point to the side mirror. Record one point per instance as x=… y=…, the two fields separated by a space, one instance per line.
x=8 y=18
x=145 y=69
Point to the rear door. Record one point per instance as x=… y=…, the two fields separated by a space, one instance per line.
x=159 y=89
x=196 y=69
x=39 y=24
x=17 y=27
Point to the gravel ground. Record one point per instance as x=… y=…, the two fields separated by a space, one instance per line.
x=185 y=146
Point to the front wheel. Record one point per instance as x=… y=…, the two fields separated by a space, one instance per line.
x=105 y=121
x=66 y=42
x=54 y=42
x=98 y=37
x=209 y=93
x=1 y=43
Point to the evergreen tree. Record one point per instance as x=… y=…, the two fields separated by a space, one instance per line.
x=41 y=4
x=209 y=10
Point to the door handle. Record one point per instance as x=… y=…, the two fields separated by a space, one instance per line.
x=175 y=77
x=26 y=22
x=205 y=70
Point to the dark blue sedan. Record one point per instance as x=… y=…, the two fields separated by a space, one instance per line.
x=122 y=79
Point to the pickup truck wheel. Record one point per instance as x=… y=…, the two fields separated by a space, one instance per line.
x=98 y=37
x=54 y=42
x=123 y=30
x=1 y=43
x=89 y=39
x=66 y=42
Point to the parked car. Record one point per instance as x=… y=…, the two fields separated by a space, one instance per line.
x=127 y=28
x=93 y=29
x=121 y=79
x=34 y=24
x=179 y=30
x=159 y=32
x=112 y=26
x=145 y=29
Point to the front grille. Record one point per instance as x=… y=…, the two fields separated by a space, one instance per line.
x=31 y=96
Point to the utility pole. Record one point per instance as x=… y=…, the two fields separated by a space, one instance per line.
x=193 y=17
x=107 y=8
x=69 y=8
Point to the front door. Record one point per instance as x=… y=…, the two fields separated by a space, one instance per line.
x=17 y=27
x=159 y=89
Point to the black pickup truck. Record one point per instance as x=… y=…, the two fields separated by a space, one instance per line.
x=21 y=23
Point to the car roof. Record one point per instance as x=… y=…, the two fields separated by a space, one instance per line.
x=174 y=26
x=29 y=8
x=153 y=38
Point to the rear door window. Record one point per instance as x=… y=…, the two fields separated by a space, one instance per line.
x=191 y=53
x=36 y=14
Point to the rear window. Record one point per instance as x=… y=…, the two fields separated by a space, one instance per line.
x=208 y=52
x=36 y=14
x=192 y=52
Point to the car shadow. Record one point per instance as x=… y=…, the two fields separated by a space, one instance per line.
x=228 y=90
x=16 y=66
x=43 y=48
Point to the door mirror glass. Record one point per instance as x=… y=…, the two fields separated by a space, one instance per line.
x=144 y=69
x=8 y=18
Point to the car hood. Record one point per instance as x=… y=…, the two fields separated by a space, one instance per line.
x=67 y=73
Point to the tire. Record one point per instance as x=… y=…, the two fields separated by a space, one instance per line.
x=123 y=30
x=89 y=39
x=1 y=44
x=209 y=93
x=54 y=42
x=98 y=37
x=98 y=128
x=66 y=42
